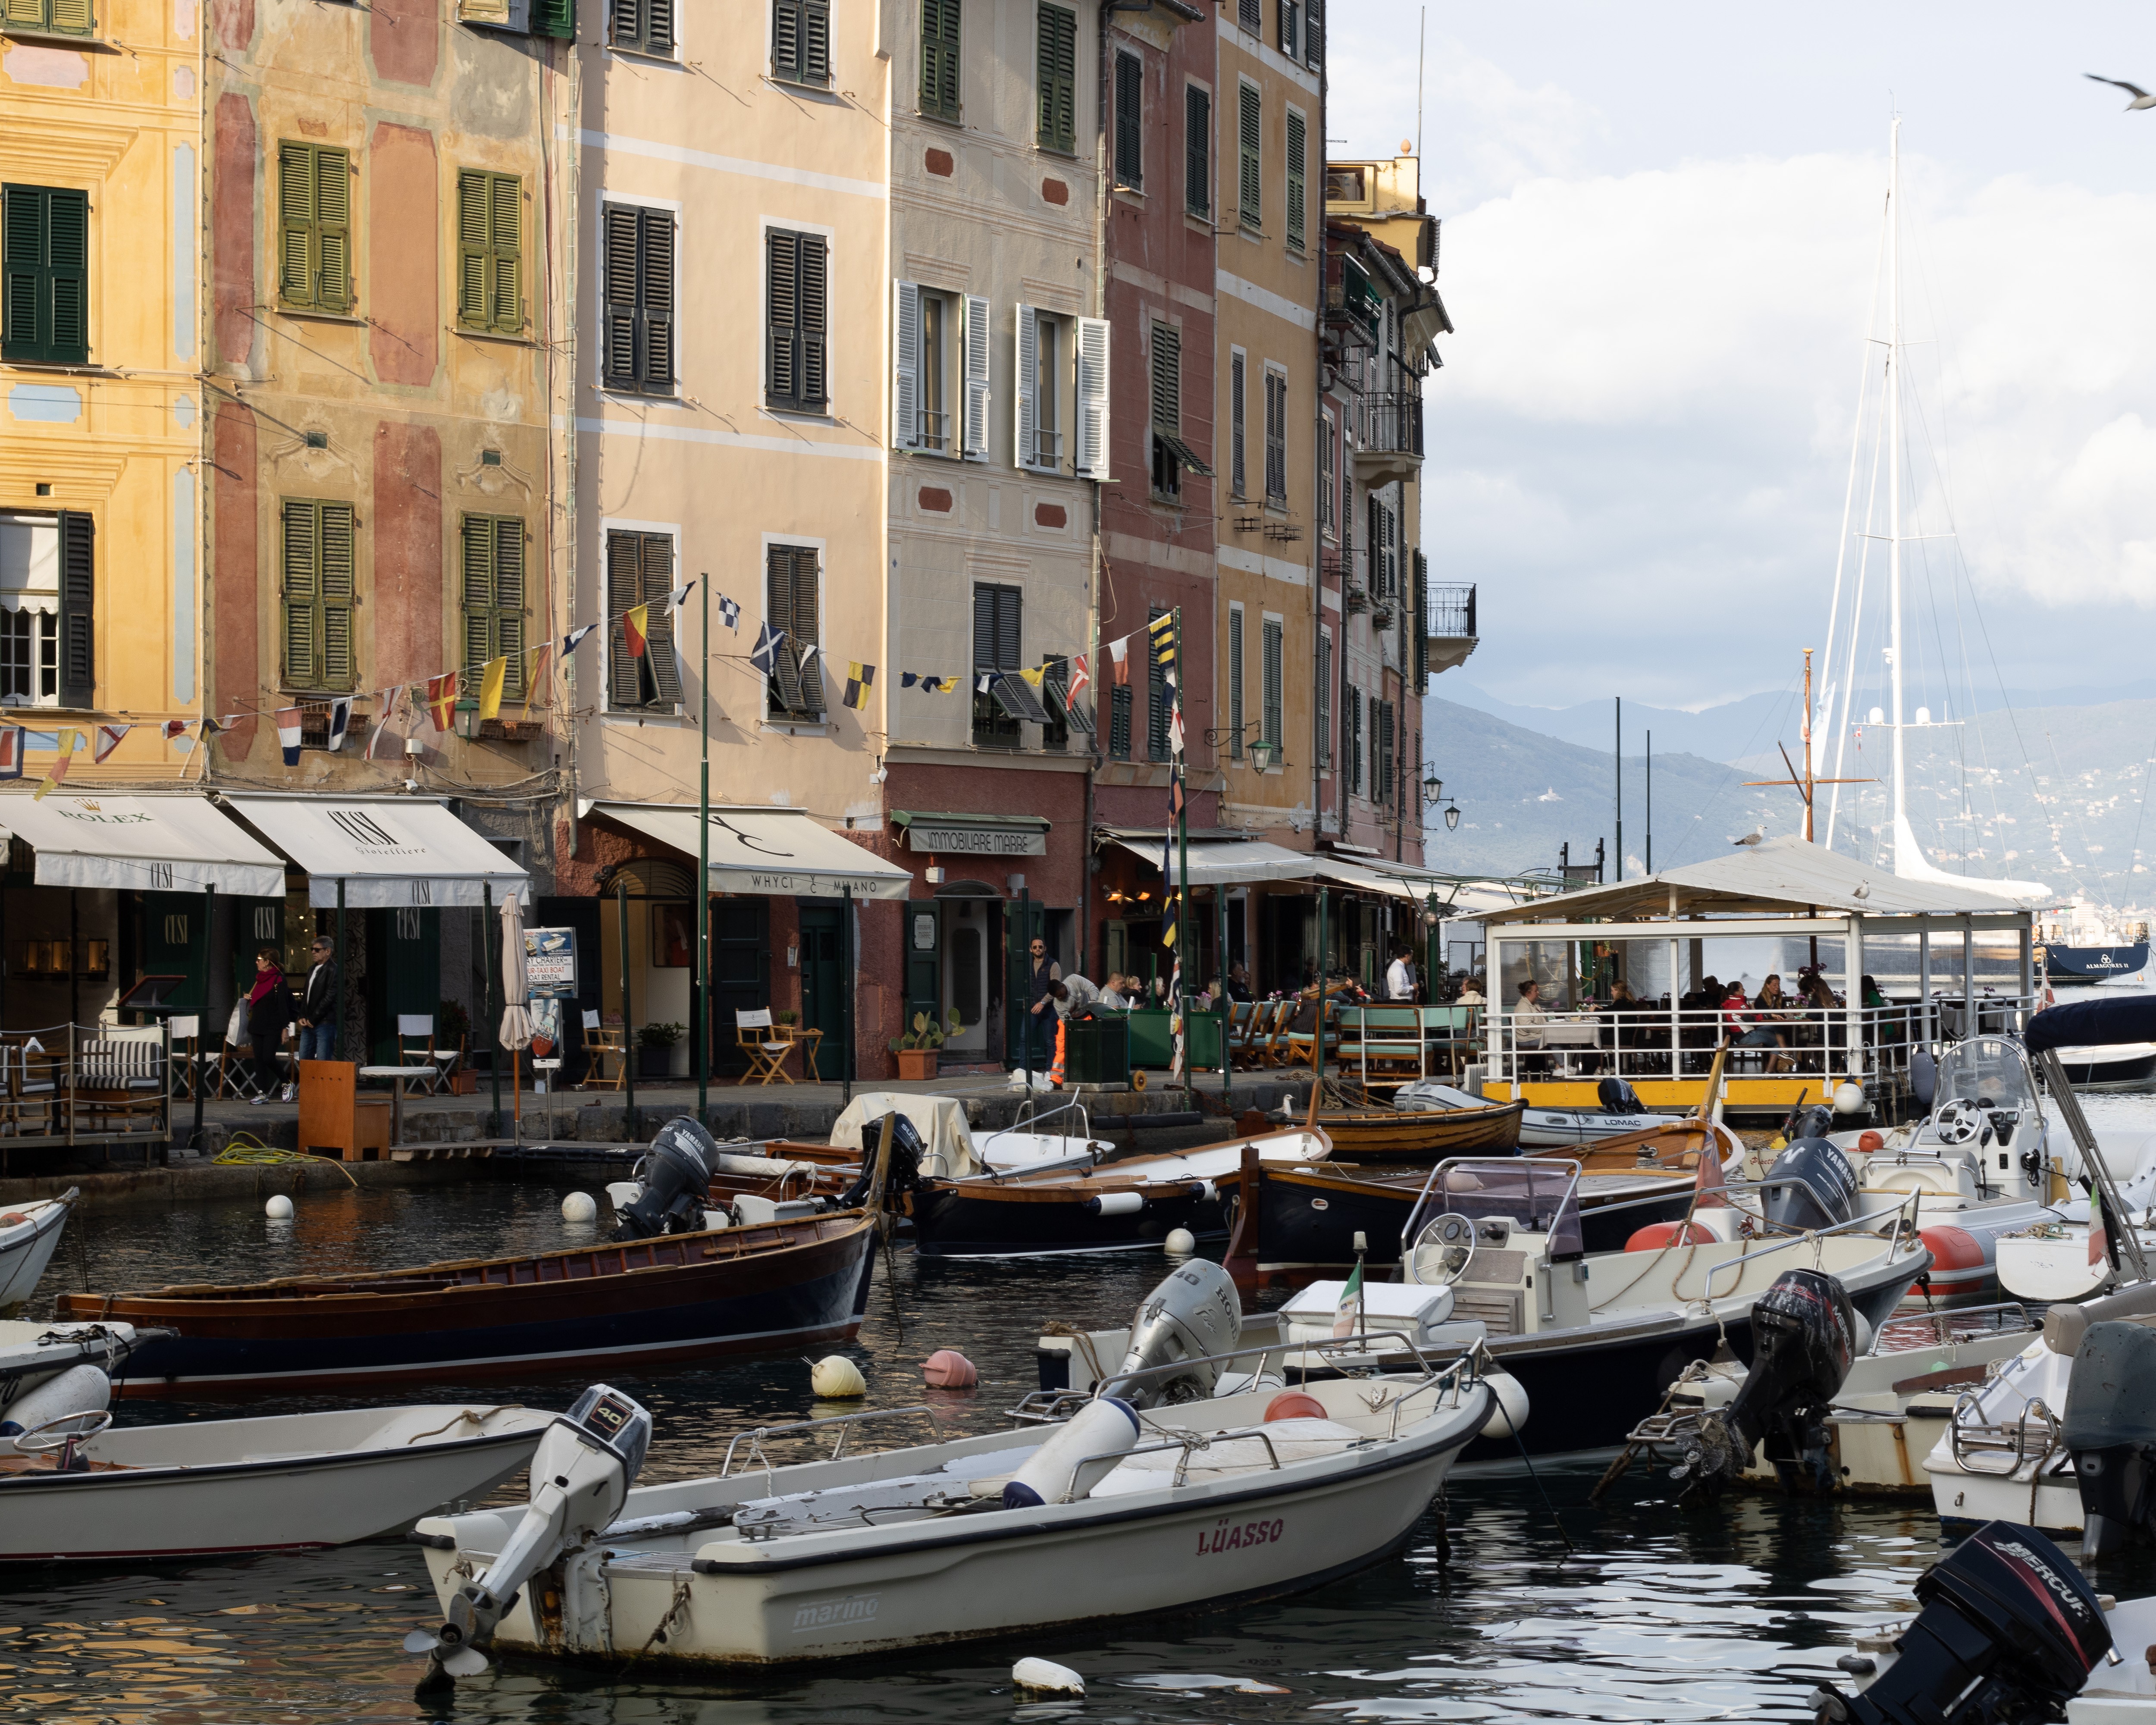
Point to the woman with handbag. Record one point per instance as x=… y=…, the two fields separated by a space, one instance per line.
x=269 y=1011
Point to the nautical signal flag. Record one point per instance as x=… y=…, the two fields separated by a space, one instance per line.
x=679 y=596
x=859 y=680
x=105 y=739
x=340 y=722
x=288 y=734
x=765 y=653
x=385 y=709
x=68 y=741
x=442 y=700
x=575 y=636
x=636 y=630
x=1160 y=635
x=492 y=679
x=730 y=612
x=541 y=655
x=1079 y=679
x=174 y=728
x=11 y=752
x=1119 y=658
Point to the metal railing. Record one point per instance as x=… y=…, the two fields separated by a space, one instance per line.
x=1388 y=422
x=1449 y=611
x=1901 y=1212
x=85 y=1083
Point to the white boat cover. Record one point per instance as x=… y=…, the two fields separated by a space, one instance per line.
x=941 y=1122
x=172 y=842
x=388 y=851
x=780 y=853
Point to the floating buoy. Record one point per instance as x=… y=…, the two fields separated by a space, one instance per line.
x=837 y=1378
x=946 y=1369
x=1848 y=1098
x=278 y=1208
x=1294 y=1405
x=1181 y=1242
x=1039 y=1677
x=580 y=1207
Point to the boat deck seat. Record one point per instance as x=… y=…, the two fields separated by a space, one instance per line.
x=1228 y=1456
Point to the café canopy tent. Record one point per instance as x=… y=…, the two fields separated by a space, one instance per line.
x=160 y=843
x=779 y=853
x=385 y=851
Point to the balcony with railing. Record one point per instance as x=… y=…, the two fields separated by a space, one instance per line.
x=1448 y=625
x=1387 y=425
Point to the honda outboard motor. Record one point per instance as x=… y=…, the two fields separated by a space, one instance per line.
x=2010 y=1632
x=1196 y=1312
x=2110 y=1427
x=1810 y=1185
x=581 y=1473
x=1804 y=1336
x=676 y=1173
x=1618 y=1097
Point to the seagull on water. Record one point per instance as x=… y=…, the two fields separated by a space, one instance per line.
x=2141 y=99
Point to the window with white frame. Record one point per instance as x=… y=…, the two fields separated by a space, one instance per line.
x=940 y=383
x=1328 y=466
x=29 y=610
x=1046 y=373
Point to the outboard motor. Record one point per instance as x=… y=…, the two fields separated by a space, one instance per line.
x=1196 y=1312
x=1812 y=1121
x=1811 y=1185
x=1804 y=1336
x=2010 y=1632
x=901 y=1171
x=1618 y=1097
x=676 y=1173
x=2110 y=1427
x=581 y=1474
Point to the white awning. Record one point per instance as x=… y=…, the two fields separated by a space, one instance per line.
x=158 y=843
x=387 y=852
x=778 y=853
x=1366 y=879
x=1232 y=861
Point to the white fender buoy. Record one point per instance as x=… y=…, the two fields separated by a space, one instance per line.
x=1059 y=1471
x=278 y=1208
x=1508 y=1412
x=1848 y=1098
x=837 y=1378
x=1116 y=1204
x=1181 y=1242
x=1034 y=1677
x=580 y=1207
x=79 y=1389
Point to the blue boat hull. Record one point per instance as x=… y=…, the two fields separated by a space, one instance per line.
x=2095 y=964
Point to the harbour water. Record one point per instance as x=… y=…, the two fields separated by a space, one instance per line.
x=1544 y=1609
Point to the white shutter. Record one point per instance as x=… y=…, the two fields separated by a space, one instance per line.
x=1029 y=364
x=976 y=338
x=1093 y=397
x=905 y=366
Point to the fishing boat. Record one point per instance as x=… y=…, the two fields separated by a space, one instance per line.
x=1620 y=1115
x=1133 y=1205
x=29 y=1235
x=76 y=1489
x=1133 y=1506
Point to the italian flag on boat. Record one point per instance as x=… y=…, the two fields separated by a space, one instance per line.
x=1351 y=1300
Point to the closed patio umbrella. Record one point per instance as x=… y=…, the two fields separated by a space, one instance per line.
x=516 y=990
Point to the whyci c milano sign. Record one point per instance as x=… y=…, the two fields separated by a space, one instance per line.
x=977 y=841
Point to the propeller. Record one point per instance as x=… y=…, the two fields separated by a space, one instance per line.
x=458 y=1660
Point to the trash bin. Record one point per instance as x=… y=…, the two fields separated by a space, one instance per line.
x=1096 y=1050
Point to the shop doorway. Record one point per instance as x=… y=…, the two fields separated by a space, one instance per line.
x=823 y=982
x=968 y=941
x=403 y=975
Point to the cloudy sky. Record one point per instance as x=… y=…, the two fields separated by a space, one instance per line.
x=1661 y=233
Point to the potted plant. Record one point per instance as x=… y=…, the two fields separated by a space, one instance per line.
x=655 y=1049
x=920 y=1049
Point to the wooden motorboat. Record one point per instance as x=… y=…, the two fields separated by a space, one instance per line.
x=199 y=1488
x=1544 y=1128
x=656 y=1301
x=30 y=1235
x=1379 y=1135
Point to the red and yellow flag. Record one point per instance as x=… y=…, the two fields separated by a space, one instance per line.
x=636 y=628
x=442 y=700
x=490 y=682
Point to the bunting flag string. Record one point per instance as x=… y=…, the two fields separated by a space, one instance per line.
x=765 y=653
x=386 y=704
x=340 y=722
x=493 y=677
x=730 y=613
x=862 y=680
x=1119 y=656
x=442 y=700
x=1078 y=680
x=636 y=630
x=288 y=720
x=545 y=650
x=105 y=740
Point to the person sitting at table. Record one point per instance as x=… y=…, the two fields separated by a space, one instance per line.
x=1528 y=1019
x=1619 y=1030
x=1112 y=991
x=1743 y=1028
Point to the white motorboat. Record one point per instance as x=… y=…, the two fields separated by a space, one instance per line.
x=75 y=1488
x=1132 y=1507
x=30 y=1235
x=32 y=1354
x=1547 y=1128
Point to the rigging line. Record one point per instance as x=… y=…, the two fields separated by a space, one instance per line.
x=1776 y=714
x=1856 y=615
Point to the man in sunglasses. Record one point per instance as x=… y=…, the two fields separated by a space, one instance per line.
x=1040 y=972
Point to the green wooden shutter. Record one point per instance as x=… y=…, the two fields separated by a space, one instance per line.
x=796 y=302
x=555 y=17
x=655 y=369
x=505 y=238
x=1196 y=152
x=1272 y=677
x=69 y=18
x=1250 y=134
x=333 y=229
x=801 y=41
x=1167 y=379
x=77 y=610
x=479 y=596
x=939 y=58
x=302 y=559
x=1156 y=692
x=1119 y=723
x=47 y=274
x=658 y=26
x=1130 y=122
x=472 y=226
x=1056 y=71
x=1235 y=682
x=72 y=17
x=658 y=560
x=786 y=34
x=339 y=659
x=623 y=227
x=1296 y=154
x=1421 y=623
x=509 y=603
x=815 y=315
x=295 y=223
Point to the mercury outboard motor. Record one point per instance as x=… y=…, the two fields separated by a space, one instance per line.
x=1804 y=1336
x=2010 y=1632
x=2110 y=1427
x=1618 y=1097
x=1196 y=1312
x=676 y=1173
x=1810 y=1185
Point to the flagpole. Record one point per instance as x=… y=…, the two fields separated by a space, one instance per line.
x=703 y=1013
x=1183 y=860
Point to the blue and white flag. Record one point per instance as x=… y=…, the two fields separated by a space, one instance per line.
x=730 y=612
x=340 y=722
x=765 y=653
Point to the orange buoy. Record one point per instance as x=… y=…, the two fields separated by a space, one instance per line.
x=1294 y=1405
x=1655 y=1235
x=946 y=1369
x=1952 y=1248
x=1870 y=1141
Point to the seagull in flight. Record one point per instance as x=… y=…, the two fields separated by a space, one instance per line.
x=2141 y=99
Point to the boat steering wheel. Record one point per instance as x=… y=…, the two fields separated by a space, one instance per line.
x=1453 y=1234
x=86 y=1425
x=1958 y=1121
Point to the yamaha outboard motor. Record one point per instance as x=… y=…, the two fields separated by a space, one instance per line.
x=1810 y=1185
x=676 y=1173
x=2110 y=1427
x=2010 y=1632
x=1618 y=1097
x=1804 y=1336
x=1814 y=1121
x=901 y=1171
x=1196 y=1312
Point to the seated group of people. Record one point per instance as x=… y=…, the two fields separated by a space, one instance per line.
x=1714 y=1013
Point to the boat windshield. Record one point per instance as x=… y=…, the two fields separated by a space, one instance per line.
x=1540 y=1196
x=1993 y=1070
